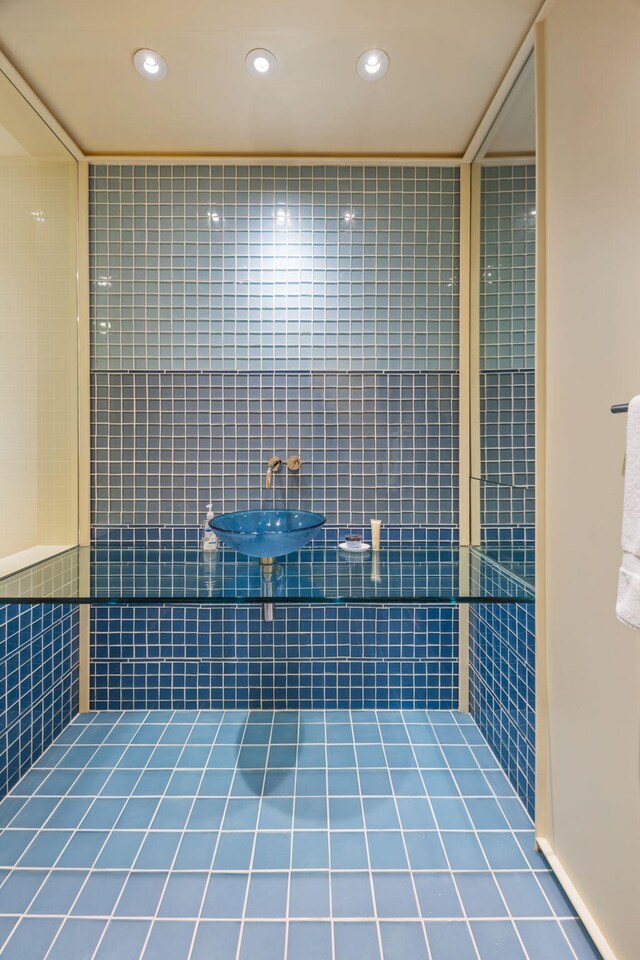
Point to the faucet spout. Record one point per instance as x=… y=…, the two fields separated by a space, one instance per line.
x=274 y=466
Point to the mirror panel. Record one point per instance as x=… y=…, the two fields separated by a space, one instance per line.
x=38 y=333
x=503 y=232
x=507 y=323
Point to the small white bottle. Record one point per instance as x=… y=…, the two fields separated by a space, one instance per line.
x=209 y=539
x=375 y=535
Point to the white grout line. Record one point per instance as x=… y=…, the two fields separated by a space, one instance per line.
x=553 y=917
x=106 y=840
x=293 y=823
x=129 y=871
x=219 y=832
x=183 y=830
x=491 y=872
x=62 y=829
x=397 y=717
x=49 y=870
x=366 y=843
x=402 y=834
x=255 y=832
x=439 y=832
x=329 y=831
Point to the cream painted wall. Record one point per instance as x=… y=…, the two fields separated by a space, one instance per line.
x=589 y=75
x=18 y=364
x=38 y=332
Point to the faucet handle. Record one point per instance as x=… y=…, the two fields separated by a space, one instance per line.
x=294 y=463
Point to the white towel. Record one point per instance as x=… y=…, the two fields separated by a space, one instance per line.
x=628 y=605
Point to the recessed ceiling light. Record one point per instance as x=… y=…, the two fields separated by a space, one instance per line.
x=372 y=64
x=260 y=62
x=150 y=64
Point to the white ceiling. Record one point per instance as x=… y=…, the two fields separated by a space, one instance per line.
x=447 y=59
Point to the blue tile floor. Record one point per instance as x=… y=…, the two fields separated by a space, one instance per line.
x=318 y=835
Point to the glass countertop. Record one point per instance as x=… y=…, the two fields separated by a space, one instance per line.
x=132 y=575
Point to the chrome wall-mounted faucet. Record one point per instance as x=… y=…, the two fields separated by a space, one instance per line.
x=274 y=466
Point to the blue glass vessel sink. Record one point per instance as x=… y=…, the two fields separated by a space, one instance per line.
x=267 y=533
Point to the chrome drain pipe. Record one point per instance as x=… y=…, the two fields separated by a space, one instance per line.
x=268 y=567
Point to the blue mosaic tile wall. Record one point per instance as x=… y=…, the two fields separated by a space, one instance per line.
x=502 y=638
x=189 y=538
x=502 y=688
x=310 y=657
x=239 y=312
x=372 y=445
x=263 y=267
x=38 y=682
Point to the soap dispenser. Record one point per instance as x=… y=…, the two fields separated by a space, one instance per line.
x=209 y=538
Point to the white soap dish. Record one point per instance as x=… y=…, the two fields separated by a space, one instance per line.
x=355 y=546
